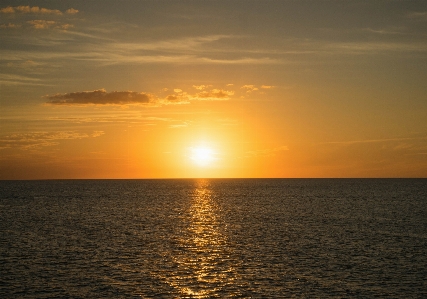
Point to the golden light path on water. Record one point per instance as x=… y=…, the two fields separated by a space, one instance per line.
x=205 y=260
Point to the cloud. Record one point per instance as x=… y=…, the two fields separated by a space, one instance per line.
x=121 y=98
x=182 y=97
x=10 y=26
x=172 y=98
x=64 y=26
x=375 y=47
x=35 y=10
x=420 y=15
x=37 y=140
x=44 y=24
x=41 y=24
x=179 y=97
x=179 y=125
x=8 y=9
x=201 y=87
x=97 y=133
x=396 y=30
x=402 y=145
x=185 y=44
x=188 y=50
x=26 y=64
x=120 y=57
x=266 y=86
x=71 y=11
x=100 y=50
x=10 y=79
x=244 y=60
x=214 y=94
x=118 y=117
x=375 y=140
x=267 y=152
x=249 y=88
x=101 y=97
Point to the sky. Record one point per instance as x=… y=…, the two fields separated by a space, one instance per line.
x=221 y=89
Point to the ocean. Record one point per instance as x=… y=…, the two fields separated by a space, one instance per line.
x=214 y=238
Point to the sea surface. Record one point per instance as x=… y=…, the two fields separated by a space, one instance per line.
x=214 y=238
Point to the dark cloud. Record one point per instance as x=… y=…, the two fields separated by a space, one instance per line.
x=101 y=97
x=172 y=98
x=122 y=98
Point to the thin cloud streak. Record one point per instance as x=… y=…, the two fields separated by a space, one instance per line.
x=209 y=49
x=267 y=152
x=377 y=47
x=10 y=79
x=375 y=140
x=37 y=140
x=121 y=118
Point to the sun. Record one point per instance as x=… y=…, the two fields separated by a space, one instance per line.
x=202 y=155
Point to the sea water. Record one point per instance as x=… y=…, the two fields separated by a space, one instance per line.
x=214 y=238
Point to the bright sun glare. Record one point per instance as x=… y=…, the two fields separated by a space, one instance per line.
x=202 y=156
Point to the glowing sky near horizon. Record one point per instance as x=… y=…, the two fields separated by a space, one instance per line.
x=125 y=89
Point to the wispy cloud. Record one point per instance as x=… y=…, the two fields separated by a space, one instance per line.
x=382 y=31
x=401 y=146
x=185 y=43
x=10 y=26
x=375 y=47
x=44 y=24
x=267 y=152
x=418 y=15
x=179 y=125
x=11 y=79
x=249 y=88
x=376 y=140
x=37 y=140
x=118 y=117
x=185 y=50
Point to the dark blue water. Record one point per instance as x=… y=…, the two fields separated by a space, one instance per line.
x=259 y=238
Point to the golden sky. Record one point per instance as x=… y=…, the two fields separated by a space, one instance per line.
x=178 y=89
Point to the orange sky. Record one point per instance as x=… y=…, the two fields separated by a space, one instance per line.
x=92 y=89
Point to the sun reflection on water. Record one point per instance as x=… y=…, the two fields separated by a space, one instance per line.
x=204 y=264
